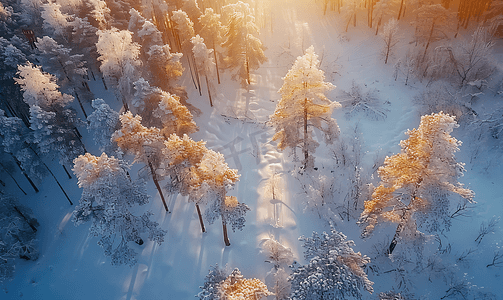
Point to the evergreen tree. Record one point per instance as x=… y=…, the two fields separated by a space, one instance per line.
x=102 y=123
x=211 y=288
x=119 y=63
x=235 y=286
x=210 y=181
x=162 y=109
x=334 y=270
x=212 y=32
x=108 y=196
x=204 y=61
x=52 y=121
x=391 y=37
x=245 y=51
x=303 y=103
x=18 y=231
x=145 y=143
x=411 y=180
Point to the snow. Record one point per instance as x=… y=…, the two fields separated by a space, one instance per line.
x=73 y=266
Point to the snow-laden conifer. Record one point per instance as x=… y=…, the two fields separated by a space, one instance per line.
x=56 y=23
x=210 y=181
x=408 y=180
x=245 y=51
x=119 y=60
x=334 y=270
x=103 y=122
x=304 y=105
x=108 y=196
x=205 y=63
x=211 y=288
x=212 y=32
x=162 y=109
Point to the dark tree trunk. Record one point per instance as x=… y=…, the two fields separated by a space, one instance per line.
x=209 y=92
x=400 y=10
x=226 y=237
x=306 y=152
x=156 y=182
x=200 y=218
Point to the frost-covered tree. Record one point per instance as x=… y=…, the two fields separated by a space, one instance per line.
x=59 y=60
x=211 y=288
x=303 y=105
x=212 y=32
x=18 y=231
x=165 y=67
x=162 y=109
x=102 y=123
x=358 y=101
x=145 y=143
x=52 y=121
x=383 y=9
x=334 y=270
x=235 y=286
x=432 y=24
x=471 y=59
x=210 y=181
x=409 y=179
x=276 y=253
x=100 y=12
x=181 y=155
x=16 y=140
x=350 y=10
x=119 y=63
x=56 y=23
x=245 y=51
x=205 y=63
x=391 y=37
x=108 y=196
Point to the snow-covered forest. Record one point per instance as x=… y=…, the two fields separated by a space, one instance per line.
x=253 y=149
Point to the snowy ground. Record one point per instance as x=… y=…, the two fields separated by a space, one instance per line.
x=72 y=265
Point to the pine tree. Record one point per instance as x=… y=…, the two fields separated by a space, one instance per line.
x=55 y=23
x=145 y=143
x=334 y=270
x=204 y=61
x=102 y=123
x=108 y=196
x=59 y=60
x=391 y=37
x=235 y=286
x=119 y=63
x=181 y=155
x=432 y=23
x=408 y=179
x=162 y=109
x=211 y=288
x=245 y=51
x=52 y=121
x=18 y=231
x=210 y=181
x=212 y=32
x=303 y=103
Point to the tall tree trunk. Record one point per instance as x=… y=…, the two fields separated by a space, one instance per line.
x=400 y=10
x=405 y=217
x=156 y=182
x=226 y=237
x=209 y=92
x=429 y=40
x=200 y=218
x=216 y=62
x=306 y=153
x=57 y=181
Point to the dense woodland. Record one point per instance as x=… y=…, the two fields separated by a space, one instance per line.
x=159 y=58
